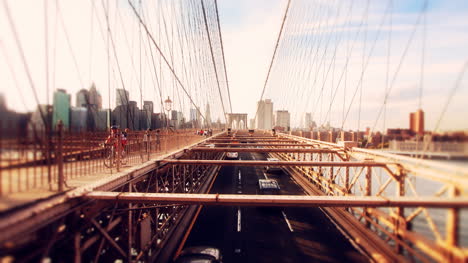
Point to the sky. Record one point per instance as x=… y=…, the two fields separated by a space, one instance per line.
x=249 y=31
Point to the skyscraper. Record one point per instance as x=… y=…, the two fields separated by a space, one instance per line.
x=61 y=108
x=95 y=99
x=308 y=121
x=145 y=116
x=208 y=116
x=194 y=118
x=283 y=119
x=82 y=98
x=148 y=106
x=3 y=106
x=122 y=97
x=264 y=118
x=417 y=122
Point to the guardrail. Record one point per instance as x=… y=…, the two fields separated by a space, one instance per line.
x=47 y=160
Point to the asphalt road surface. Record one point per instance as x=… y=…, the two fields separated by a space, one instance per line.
x=255 y=234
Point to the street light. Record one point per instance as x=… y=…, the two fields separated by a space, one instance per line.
x=168 y=107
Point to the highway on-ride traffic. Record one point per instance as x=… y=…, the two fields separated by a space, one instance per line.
x=260 y=234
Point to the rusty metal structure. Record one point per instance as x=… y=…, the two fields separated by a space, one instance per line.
x=143 y=213
x=48 y=160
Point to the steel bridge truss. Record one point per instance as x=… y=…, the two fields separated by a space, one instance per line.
x=88 y=230
x=384 y=203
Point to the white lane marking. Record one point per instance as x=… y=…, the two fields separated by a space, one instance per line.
x=287 y=221
x=266 y=177
x=253 y=157
x=240 y=178
x=238 y=219
x=240 y=159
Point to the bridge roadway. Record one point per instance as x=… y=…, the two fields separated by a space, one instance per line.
x=252 y=234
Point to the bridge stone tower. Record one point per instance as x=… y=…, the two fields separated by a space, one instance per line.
x=240 y=119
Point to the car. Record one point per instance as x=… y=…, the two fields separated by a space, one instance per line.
x=200 y=254
x=273 y=168
x=268 y=187
x=232 y=155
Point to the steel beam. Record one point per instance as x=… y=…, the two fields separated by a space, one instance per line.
x=274 y=163
x=280 y=200
x=251 y=140
x=252 y=150
x=262 y=144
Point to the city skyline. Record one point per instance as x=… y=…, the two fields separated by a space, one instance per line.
x=244 y=25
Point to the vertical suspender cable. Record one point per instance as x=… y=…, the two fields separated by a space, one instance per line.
x=213 y=59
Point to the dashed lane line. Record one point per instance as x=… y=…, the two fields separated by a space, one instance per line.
x=238 y=219
x=287 y=221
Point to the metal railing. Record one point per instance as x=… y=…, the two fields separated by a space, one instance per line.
x=48 y=160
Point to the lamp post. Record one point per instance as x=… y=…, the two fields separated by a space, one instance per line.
x=168 y=107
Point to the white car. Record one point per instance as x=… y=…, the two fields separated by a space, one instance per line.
x=232 y=155
x=200 y=254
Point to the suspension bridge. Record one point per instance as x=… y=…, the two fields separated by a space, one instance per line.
x=105 y=180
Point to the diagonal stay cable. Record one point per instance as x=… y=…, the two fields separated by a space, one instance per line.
x=222 y=52
x=452 y=93
x=23 y=59
x=164 y=57
x=402 y=58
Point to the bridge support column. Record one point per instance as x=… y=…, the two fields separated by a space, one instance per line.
x=77 y=247
x=61 y=179
x=130 y=227
x=400 y=221
x=453 y=220
x=368 y=191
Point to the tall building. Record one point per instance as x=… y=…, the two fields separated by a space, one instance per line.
x=148 y=106
x=82 y=98
x=208 y=116
x=308 y=124
x=78 y=119
x=195 y=118
x=122 y=97
x=95 y=98
x=264 y=118
x=193 y=115
x=43 y=113
x=120 y=116
x=61 y=108
x=101 y=119
x=180 y=120
x=133 y=116
x=283 y=119
x=417 y=122
x=3 y=106
x=146 y=113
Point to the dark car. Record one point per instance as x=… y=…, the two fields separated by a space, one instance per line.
x=273 y=169
x=200 y=254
